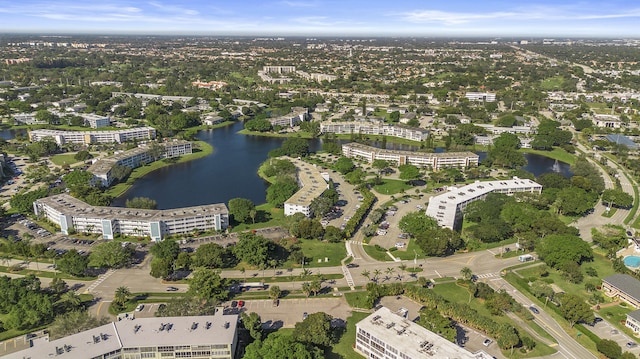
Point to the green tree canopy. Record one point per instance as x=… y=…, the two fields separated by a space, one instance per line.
x=281 y=346
x=141 y=202
x=207 y=284
x=240 y=209
x=72 y=263
x=555 y=250
x=409 y=172
x=111 y=254
x=344 y=165
x=213 y=255
x=315 y=329
x=280 y=191
x=417 y=222
x=253 y=249
x=575 y=309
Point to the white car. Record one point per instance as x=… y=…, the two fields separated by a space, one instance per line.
x=140 y=307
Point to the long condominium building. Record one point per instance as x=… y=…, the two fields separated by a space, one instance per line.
x=89 y=137
x=73 y=215
x=387 y=335
x=480 y=96
x=101 y=169
x=203 y=337
x=448 y=207
x=434 y=161
x=312 y=184
x=297 y=115
x=367 y=128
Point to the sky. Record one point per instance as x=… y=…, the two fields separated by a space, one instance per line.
x=479 y=18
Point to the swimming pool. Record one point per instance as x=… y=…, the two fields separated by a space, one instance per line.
x=632 y=261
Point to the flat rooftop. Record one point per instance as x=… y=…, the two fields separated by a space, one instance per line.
x=362 y=147
x=313 y=184
x=134 y=333
x=68 y=205
x=412 y=339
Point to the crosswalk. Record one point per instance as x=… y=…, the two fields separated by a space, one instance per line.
x=100 y=279
x=347 y=276
x=488 y=275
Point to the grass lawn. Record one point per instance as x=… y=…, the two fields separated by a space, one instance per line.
x=409 y=254
x=609 y=213
x=557 y=154
x=274 y=215
x=200 y=149
x=344 y=348
x=377 y=254
x=316 y=252
x=64 y=159
x=552 y=83
x=617 y=315
x=357 y=299
x=392 y=187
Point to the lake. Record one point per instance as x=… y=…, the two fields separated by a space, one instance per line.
x=231 y=171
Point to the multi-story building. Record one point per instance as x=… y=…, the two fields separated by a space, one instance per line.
x=95 y=121
x=481 y=96
x=312 y=184
x=516 y=130
x=448 y=208
x=73 y=215
x=633 y=321
x=297 y=115
x=607 y=121
x=278 y=69
x=101 y=169
x=27 y=119
x=370 y=128
x=387 y=335
x=434 y=161
x=89 y=137
x=204 y=337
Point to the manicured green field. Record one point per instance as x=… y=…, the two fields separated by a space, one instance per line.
x=344 y=348
x=391 y=186
x=64 y=159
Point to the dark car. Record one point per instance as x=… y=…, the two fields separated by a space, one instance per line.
x=352 y=265
x=534 y=310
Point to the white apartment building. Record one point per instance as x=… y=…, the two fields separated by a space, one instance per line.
x=312 y=184
x=204 y=337
x=448 y=207
x=607 y=121
x=89 y=137
x=101 y=169
x=297 y=115
x=516 y=130
x=95 y=121
x=434 y=161
x=369 y=128
x=73 y=215
x=27 y=119
x=279 y=69
x=387 y=335
x=481 y=96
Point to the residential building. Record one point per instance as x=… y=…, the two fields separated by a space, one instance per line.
x=387 y=335
x=95 y=121
x=205 y=337
x=607 y=121
x=27 y=119
x=516 y=130
x=136 y=157
x=73 y=215
x=481 y=96
x=623 y=287
x=89 y=137
x=279 y=69
x=448 y=208
x=622 y=140
x=434 y=161
x=145 y=96
x=297 y=115
x=374 y=128
x=633 y=321
x=212 y=119
x=312 y=184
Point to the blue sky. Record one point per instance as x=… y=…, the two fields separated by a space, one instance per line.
x=547 y=18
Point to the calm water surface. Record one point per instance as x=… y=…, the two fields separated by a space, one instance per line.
x=231 y=171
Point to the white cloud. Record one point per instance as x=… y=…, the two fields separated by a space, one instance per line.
x=299 y=3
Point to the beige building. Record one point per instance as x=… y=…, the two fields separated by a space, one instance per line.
x=369 y=128
x=203 y=337
x=73 y=215
x=434 y=161
x=623 y=287
x=89 y=137
x=312 y=184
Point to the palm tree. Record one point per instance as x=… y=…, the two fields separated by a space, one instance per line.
x=390 y=270
x=403 y=267
x=305 y=273
x=306 y=288
x=71 y=300
x=466 y=273
x=275 y=292
x=376 y=274
x=365 y=273
x=122 y=295
x=316 y=286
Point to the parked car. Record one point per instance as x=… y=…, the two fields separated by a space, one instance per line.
x=240 y=303
x=631 y=345
x=305 y=315
x=487 y=342
x=172 y=289
x=140 y=307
